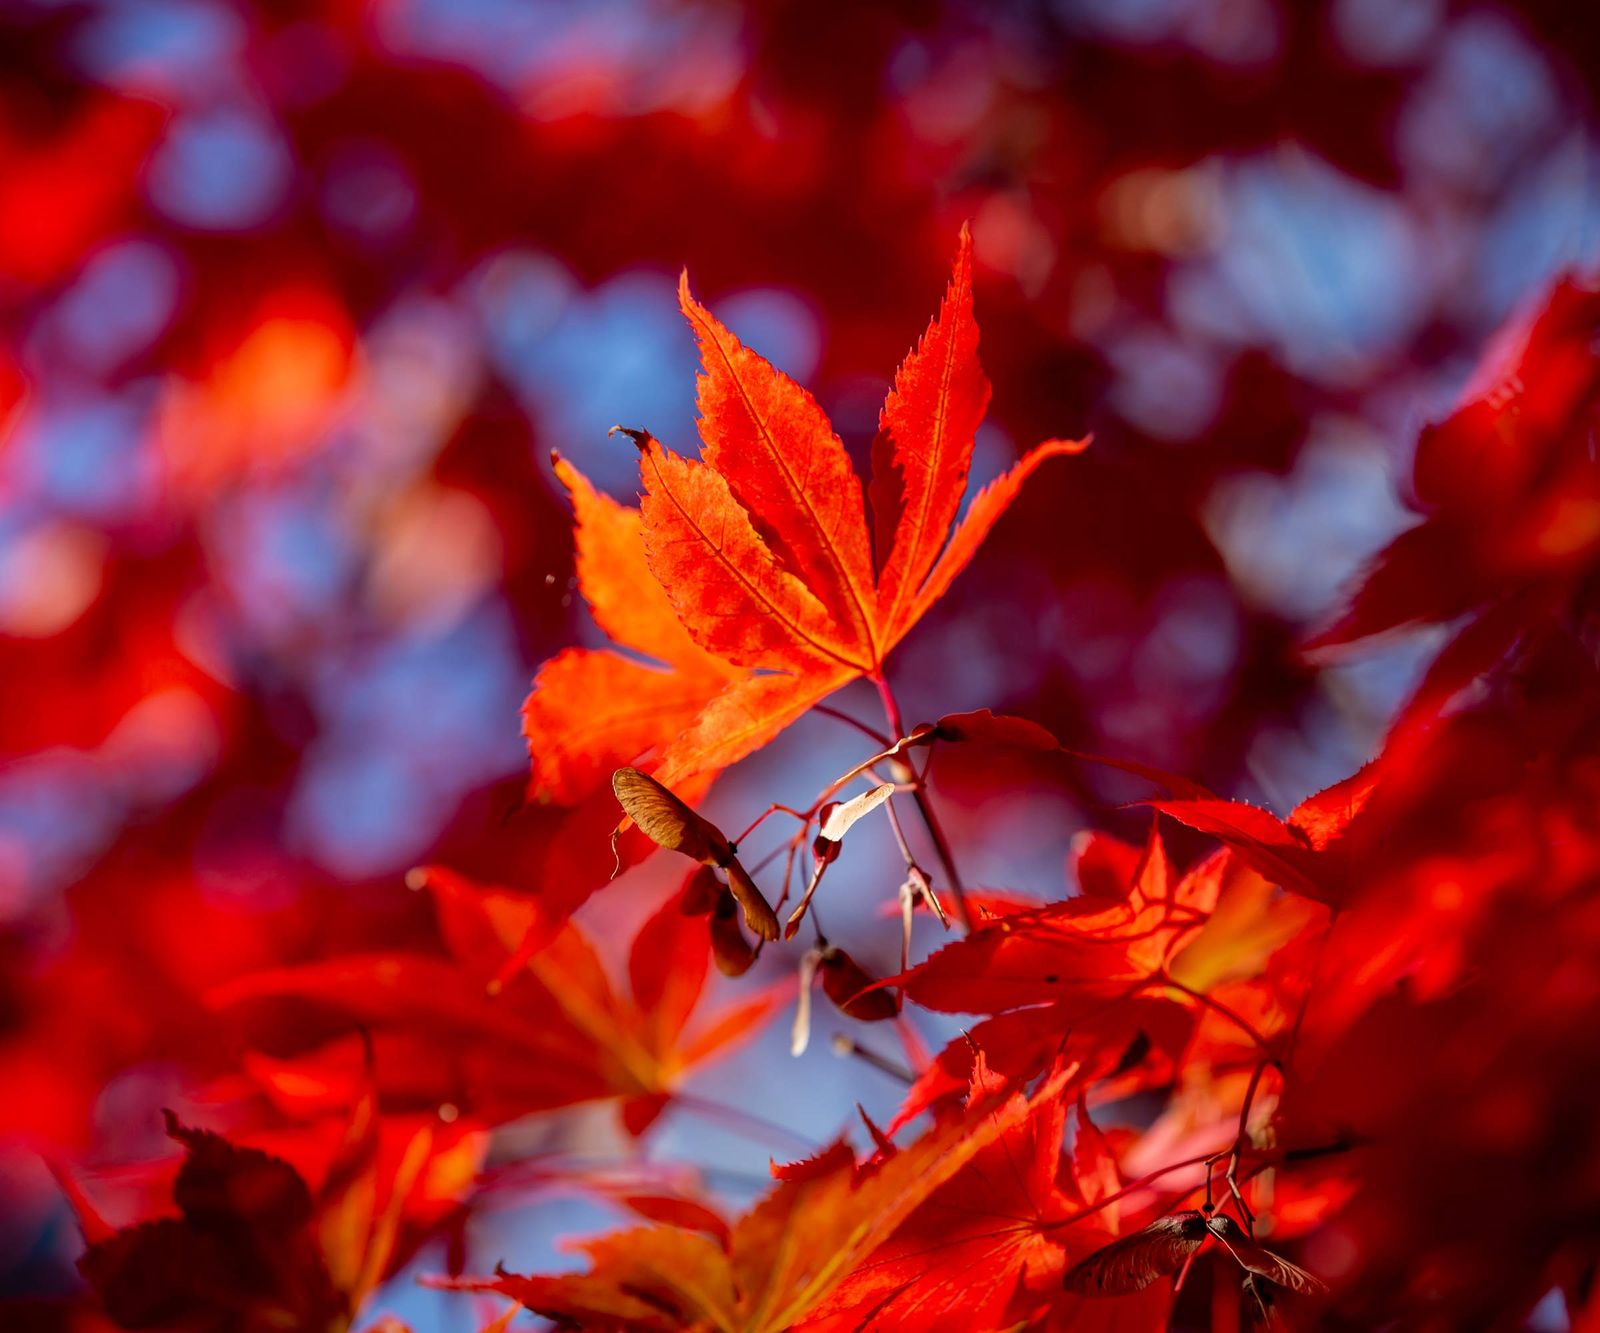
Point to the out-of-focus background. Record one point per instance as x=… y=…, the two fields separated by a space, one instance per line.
x=297 y=299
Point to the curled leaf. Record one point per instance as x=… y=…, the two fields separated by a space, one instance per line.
x=1133 y=1262
x=986 y=728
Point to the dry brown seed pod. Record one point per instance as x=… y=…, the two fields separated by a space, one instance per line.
x=1133 y=1262
x=731 y=950
x=845 y=982
x=670 y=823
x=1257 y=1259
x=758 y=913
x=701 y=892
x=836 y=820
x=667 y=821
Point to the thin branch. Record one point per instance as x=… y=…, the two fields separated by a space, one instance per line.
x=754 y=1127
x=1217 y=1007
x=774 y=809
x=941 y=844
x=871 y=733
x=1276 y=1157
x=846 y=1046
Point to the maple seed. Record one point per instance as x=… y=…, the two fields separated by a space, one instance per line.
x=667 y=821
x=729 y=947
x=671 y=824
x=1262 y=1262
x=701 y=892
x=837 y=819
x=1134 y=1262
x=758 y=913
x=845 y=982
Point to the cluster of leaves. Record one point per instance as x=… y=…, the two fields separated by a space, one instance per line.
x=1165 y=1069
x=277 y=538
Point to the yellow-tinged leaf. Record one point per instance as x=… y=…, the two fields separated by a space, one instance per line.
x=786 y=1255
x=591 y=712
x=647 y=1278
x=615 y=579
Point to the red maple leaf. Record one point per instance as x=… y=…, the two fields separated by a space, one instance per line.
x=1510 y=487
x=522 y=1016
x=1078 y=956
x=749 y=574
x=263 y=1242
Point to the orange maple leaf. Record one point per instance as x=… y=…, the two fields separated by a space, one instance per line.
x=592 y=711
x=788 y=1255
x=749 y=573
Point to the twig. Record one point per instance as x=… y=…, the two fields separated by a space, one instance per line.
x=930 y=820
x=844 y=1045
x=871 y=733
x=1216 y=1006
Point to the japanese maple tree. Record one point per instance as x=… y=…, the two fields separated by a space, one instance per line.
x=1282 y=1078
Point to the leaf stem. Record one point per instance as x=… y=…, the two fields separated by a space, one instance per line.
x=899 y=834
x=1270 y=1158
x=891 y=707
x=845 y=1046
x=1216 y=1006
x=773 y=809
x=871 y=733
x=1245 y=1215
x=930 y=820
x=745 y=1123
